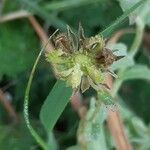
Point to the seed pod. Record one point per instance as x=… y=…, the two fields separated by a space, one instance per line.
x=79 y=60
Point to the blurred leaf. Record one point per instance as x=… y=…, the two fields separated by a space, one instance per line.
x=117 y=22
x=90 y=132
x=136 y=72
x=49 y=18
x=55 y=104
x=119 y=49
x=123 y=63
x=16 y=47
x=52 y=144
x=1 y=6
x=96 y=111
x=143 y=12
x=76 y=147
x=68 y=4
x=137 y=131
x=16 y=137
x=99 y=142
x=136 y=94
x=9 y=7
x=92 y=23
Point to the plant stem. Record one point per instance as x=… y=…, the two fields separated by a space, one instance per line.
x=138 y=37
x=26 y=100
x=114 y=121
x=41 y=33
x=116 y=126
x=14 y=15
x=117 y=84
x=117 y=130
x=26 y=107
x=9 y=108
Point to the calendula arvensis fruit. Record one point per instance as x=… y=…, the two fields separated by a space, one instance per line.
x=80 y=61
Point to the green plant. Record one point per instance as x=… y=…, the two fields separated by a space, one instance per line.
x=55 y=58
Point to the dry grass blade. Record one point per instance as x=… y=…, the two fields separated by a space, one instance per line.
x=14 y=15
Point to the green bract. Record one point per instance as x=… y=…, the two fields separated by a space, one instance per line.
x=80 y=61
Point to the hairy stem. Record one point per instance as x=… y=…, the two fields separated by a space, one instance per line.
x=26 y=100
x=115 y=125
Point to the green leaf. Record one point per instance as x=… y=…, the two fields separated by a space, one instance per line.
x=49 y=18
x=122 y=63
x=91 y=127
x=16 y=136
x=98 y=142
x=88 y=19
x=116 y=23
x=119 y=49
x=65 y=4
x=136 y=72
x=16 y=52
x=143 y=12
x=55 y=104
x=75 y=147
x=52 y=144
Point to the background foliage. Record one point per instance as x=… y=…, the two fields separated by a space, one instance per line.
x=19 y=46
